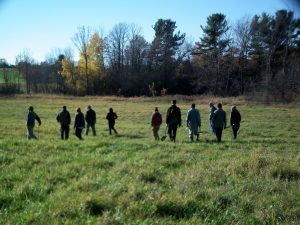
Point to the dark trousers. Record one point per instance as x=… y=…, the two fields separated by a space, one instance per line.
x=78 y=133
x=64 y=132
x=111 y=126
x=219 y=134
x=172 y=129
x=235 y=128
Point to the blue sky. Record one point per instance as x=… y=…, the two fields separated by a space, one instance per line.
x=43 y=25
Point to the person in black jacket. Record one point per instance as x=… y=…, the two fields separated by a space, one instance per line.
x=173 y=120
x=64 y=119
x=90 y=118
x=111 y=117
x=235 y=120
x=79 y=123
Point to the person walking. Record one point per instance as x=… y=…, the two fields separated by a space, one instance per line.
x=64 y=119
x=111 y=117
x=156 y=121
x=30 y=122
x=211 y=114
x=90 y=118
x=193 y=121
x=219 y=122
x=173 y=120
x=235 y=120
x=79 y=124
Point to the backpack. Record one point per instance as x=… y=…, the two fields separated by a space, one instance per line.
x=156 y=119
x=63 y=118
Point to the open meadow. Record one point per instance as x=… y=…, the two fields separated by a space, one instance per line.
x=131 y=179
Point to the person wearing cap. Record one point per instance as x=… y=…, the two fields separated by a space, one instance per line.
x=235 y=120
x=64 y=119
x=219 y=122
x=211 y=114
x=173 y=120
x=30 y=122
x=90 y=118
x=193 y=122
x=156 y=121
x=79 y=124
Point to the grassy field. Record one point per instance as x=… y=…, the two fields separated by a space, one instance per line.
x=131 y=179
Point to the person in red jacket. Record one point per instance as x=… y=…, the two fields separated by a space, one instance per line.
x=156 y=121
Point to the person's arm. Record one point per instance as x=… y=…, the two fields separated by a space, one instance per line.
x=187 y=118
x=116 y=117
x=167 y=116
x=69 y=118
x=57 y=117
x=199 y=119
x=179 y=119
x=38 y=119
x=225 y=120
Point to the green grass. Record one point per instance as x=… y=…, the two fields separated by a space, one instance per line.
x=131 y=179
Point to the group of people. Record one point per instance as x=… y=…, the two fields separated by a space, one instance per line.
x=82 y=121
x=217 y=121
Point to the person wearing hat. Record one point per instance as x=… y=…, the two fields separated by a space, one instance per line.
x=30 y=122
x=79 y=124
x=64 y=119
x=156 y=121
x=235 y=120
x=90 y=118
x=211 y=114
x=173 y=120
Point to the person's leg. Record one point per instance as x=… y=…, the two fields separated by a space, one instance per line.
x=87 y=128
x=30 y=133
x=93 y=129
x=191 y=133
x=218 y=133
x=67 y=130
x=109 y=128
x=155 y=132
x=170 y=132
x=113 y=128
x=174 y=132
x=80 y=133
x=235 y=129
x=62 y=131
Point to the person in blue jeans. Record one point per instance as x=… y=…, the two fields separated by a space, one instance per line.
x=64 y=119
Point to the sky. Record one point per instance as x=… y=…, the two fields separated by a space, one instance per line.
x=41 y=26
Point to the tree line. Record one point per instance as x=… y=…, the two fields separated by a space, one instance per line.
x=254 y=55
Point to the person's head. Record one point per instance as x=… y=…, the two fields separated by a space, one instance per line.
x=211 y=104
x=156 y=109
x=78 y=110
x=233 y=108
x=193 y=105
x=64 y=108
x=220 y=105
x=173 y=102
x=89 y=107
x=30 y=108
x=111 y=110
